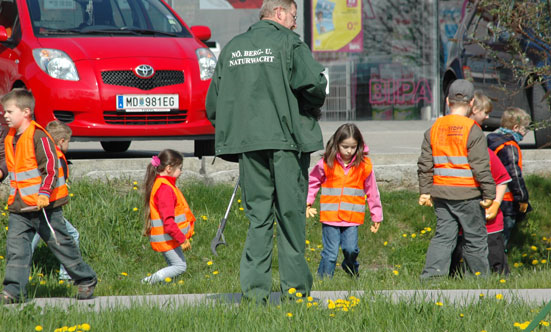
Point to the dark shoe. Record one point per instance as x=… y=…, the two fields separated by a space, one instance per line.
x=86 y=289
x=6 y=298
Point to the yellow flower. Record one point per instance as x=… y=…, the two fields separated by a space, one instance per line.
x=331 y=305
x=543 y=261
x=439 y=303
x=481 y=295
x=307 y=242
x=413 y=235
x=289 y=314
x=428 y=229
x=238 y=201
x=516 y=265
x=292 y=290
x=423 y=231
x=72 y=329
x=535 y=262
x=38 y=328
x=1 y=257
x=331 y=315
x=499 y=296
x=534 y=248
x=135 y=188
x=299 y=300
x=3 y=213
x=5 y=207
x=61 y=282
x=135 y=209
x=241 y=209
x=215 y=272
x=345 y=309
x=85 y=327
x=6 y=227
x=310 y=299
x=404 y=235
x=544 y=323
x=395 y=272
x=204 y=217
x=308 y=305
x=30 y=278
x=298 y=294
x=312 y=249
x=461 y=315
x=180 y=282
x=42 y=282
x=124 y=274
x=385 y=243
x=209 y=263
x=477 y=273
x=71 y=195
x=524 y=255
x=168 y=279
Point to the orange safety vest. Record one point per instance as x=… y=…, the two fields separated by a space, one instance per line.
x=25 y=176
x=509 y=195
x=448 y=139
x=342 y=195
x=158 y=238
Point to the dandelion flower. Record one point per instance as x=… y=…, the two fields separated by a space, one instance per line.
x=3 y=213
x=308 y=305
x=292 y=290
x=502 y=281
x=404 y=235
x=135 y=188
x=180 y=282
x=499 y=296
x=310 y=299
x=38 y=328
x=298 y=294
x=345 y=309
x=215 y=272
x=428 y=229
x=85 y=327
x=204 y=217
x=331 y=305
x=439 y=303
x=385 y=243
x=461 y=315
x=6 y=227
x=124 y=274
x=238 y=201
x=481 y=295
x=135 y=209
x=524 y=255
x=543 y=261
x=1 y=257
x=307 y=242
x=544 y=323
x=535 y=262
x=299 y=300
x=168 y=279
x=61 y=282
x=331 y=315
x=71 y=195
x=289 y=314
x=534 y=248
x=241 y=209
x=413 y=236
x=395 y=272
x=42 y=282
x=209 y=263
x=515 y=265
x=477 y=273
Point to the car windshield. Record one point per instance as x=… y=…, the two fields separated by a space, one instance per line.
x=100 y=17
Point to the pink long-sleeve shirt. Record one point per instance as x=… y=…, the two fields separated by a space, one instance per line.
x=317 y=178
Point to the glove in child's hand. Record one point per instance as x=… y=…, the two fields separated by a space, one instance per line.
x=375 y=227
x=42 y=201
x=523 y=207
x=186 y=245
x=310 y=211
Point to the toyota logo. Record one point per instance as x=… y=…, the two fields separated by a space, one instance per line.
x=144 y=71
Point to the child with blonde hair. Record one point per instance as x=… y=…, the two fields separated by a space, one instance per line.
x=504 y=142
x=345 y=175
x=169 y=222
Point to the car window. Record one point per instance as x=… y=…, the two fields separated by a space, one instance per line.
x=51 y=17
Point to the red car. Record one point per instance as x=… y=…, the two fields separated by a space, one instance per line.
x=113 y=70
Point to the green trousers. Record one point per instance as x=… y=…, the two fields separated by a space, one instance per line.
x=274 y=185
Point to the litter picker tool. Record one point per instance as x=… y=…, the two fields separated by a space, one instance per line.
x=219 y=238
x=35 y=208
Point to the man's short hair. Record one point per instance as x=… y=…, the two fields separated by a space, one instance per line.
x=59 y=130
x=515 y=116
x=461 y=91
x=268 y=7
x=22 y=98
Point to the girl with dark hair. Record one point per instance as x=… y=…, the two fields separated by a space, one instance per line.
x=169 y=222
x=345 y=175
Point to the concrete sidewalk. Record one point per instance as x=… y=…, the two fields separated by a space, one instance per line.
x=533 y=297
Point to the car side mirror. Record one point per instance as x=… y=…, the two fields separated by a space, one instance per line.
x=3 y=34
x=202 y=32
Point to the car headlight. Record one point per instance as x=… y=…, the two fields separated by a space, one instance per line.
x=56 y=63
x=207 y=63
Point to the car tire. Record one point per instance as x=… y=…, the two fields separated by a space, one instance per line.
x=203 y=148
x=115 y=146
x=541 y=112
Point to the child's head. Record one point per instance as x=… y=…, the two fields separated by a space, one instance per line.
x=482 y=107
x=18 y=107
x=515 y=119
x=346 y=141
x=61 y=133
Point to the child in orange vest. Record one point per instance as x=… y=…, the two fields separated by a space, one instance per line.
x=37 y=193
x=168 y=219
x=345 y=175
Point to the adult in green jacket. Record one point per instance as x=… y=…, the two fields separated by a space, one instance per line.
x=263 y=101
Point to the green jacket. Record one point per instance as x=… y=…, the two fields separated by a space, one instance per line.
x=266 y=92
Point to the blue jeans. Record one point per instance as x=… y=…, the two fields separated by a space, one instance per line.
x=21 y=229
x=347 y=239
x=176 y=266
x=73 y=232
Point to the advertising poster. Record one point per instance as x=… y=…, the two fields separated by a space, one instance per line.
x=337 y=26
x=230 y=4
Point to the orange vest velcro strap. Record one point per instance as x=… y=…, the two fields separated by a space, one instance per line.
x=342 y=195
x=158 y=238
x=24 y=174
x=449 y=136
x=508 y=195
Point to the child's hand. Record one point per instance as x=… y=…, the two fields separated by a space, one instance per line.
x=310 y=211
x=375 y=227
x=522 y=207
x=425 y=199
x=492 y=211
x=186 y=245
x=42 y=201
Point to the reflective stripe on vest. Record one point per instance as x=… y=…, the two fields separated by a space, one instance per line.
x=24 y=174
x=449 y=136
x=508 y=194
x=159 y=240
x=342 y=195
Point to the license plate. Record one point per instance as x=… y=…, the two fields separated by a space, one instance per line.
x=147 y=103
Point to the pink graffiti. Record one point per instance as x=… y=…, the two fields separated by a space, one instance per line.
x=399 y=92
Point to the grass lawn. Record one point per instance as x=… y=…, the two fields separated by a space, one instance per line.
x=108 y=216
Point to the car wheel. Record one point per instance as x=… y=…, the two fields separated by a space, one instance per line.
x=204 y=148
x=115 y=146
x=541 y=112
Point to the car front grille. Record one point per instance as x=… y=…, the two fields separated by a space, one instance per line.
x=128 y=78
x=145 y=118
